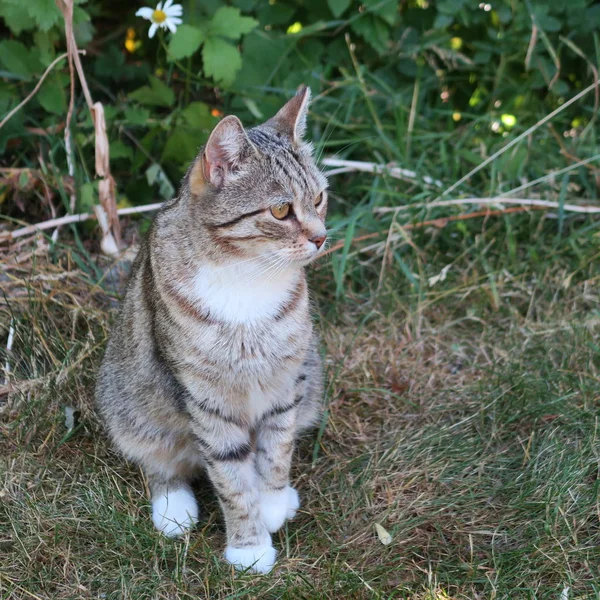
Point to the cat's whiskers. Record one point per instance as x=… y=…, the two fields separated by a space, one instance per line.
x=263 y=265
x=279 y=267
x=273 y=268
x=241 y=262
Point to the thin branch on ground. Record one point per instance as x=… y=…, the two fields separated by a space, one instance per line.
x=440 y=223
x=498 y=200
x=67 y=219
x=391 y=169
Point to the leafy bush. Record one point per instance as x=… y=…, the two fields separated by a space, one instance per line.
x=378 y=65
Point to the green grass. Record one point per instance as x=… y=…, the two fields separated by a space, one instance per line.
x=463 y=418
x=462 y=414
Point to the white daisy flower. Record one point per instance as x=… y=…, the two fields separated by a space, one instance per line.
x=166 y=16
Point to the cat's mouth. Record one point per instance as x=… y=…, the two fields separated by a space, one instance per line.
x=306 y=257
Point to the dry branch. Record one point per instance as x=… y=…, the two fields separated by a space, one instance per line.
x=440 y=223
x=34 y=91
x=499 y=200
x=107 y=213
x=67 y=219
x=391 y=169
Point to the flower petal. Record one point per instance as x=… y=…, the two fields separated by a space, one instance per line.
x=172 y=27
x=159 y=6
x=145 y=13
x=167 y=4
x=175 y=20
x=174 y=13
x=175 y=9
x=153 y=29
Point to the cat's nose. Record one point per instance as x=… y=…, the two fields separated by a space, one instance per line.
x=318 y=240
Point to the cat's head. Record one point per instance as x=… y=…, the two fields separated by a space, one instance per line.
x=259 y=191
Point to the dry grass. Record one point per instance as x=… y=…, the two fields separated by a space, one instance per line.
x=463 y=418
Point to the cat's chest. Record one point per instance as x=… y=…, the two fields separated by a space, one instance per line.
x=242 y=297
x=253 y=324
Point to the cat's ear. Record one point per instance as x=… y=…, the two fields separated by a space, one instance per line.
x=225 y=150
x=291 y=119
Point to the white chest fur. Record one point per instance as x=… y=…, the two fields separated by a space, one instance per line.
x=241 y=294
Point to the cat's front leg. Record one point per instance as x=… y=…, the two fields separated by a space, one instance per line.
x=274 y=446
x=230 y=463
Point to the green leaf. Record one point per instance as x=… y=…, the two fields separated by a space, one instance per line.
x=339 y=266
x=52 y=95
x=87 y=196
x=82 y=26
x=16 y=16
x=262 y=58
x=222 y=60
x=45 y=13
x=374 y=31
x=197 y=115
x=228 y=22
x=450 y=7
x=185 y=42
x=136 y=115
x=442 y=20
x=245 y=5
x=338 y=7
x=275 y=14
x=44 y=42
x=17 y=58
x=118 y=149
x=386 y=9
x=157 y=94
x=182 y=146
x=155 y=174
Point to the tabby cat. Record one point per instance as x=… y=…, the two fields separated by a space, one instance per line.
x=213 y=363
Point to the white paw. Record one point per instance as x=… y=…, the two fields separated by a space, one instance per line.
x=259 y=559
x=277 y=506
x=175 y=512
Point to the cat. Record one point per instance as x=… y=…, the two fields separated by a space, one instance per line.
x=213 y=362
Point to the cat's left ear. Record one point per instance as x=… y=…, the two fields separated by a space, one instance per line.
x=227 y=147
x=291 y=118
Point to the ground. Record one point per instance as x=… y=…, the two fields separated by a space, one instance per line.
x=462 y=418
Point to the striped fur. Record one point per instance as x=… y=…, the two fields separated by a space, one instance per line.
x=213 y=362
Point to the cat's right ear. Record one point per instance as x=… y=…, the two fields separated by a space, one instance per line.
x=225 y=150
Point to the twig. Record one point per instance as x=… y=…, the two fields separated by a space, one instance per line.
x=579 y=163
x=390 y=169
x=363 y=86
x=108 y=216
x=494 y=201
x=9 y=345
x=440 y=223
x=68 y=150
x=518 y=139
x=33 y=92
x=67 y=219
x=413 y=111
x=532 y=44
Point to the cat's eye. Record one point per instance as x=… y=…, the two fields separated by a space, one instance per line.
x=280 y=211
x=319 y=199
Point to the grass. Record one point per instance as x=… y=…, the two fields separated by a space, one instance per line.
x=462 y=404
x=462 y=417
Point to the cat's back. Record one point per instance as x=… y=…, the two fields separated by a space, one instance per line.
x=132 y=364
